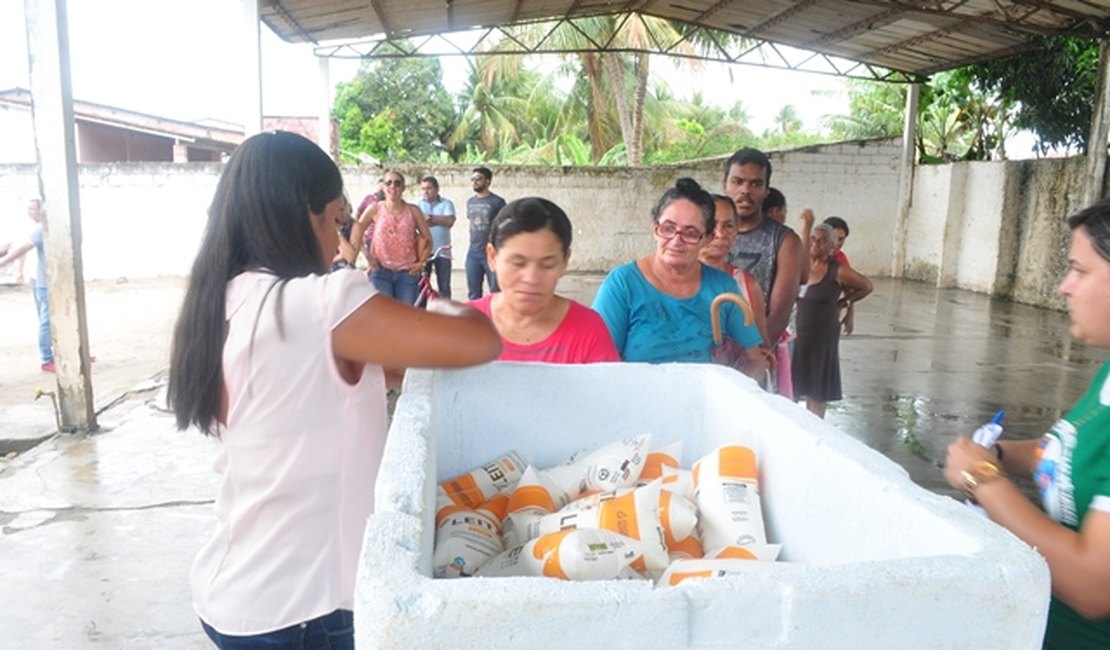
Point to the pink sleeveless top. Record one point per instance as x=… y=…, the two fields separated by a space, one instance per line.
x=394 y=243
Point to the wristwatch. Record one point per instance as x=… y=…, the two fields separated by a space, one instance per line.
x=981 y=472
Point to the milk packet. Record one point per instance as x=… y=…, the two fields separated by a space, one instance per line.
x=535 y=495
x=465 y=540
x=634 y=514
x=480 y=484
x=569 y=555
x=605 y=469
x=682 y=570
x=657 y=459
x=726 y=489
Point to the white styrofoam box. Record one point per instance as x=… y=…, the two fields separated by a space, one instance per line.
x=869 y=559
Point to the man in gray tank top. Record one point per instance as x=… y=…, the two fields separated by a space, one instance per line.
x=770 y=250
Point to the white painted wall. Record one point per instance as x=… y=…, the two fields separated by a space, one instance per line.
x=137 y=220
x=975 y=247
x=611 y=207
x=925 y=231
x=857 y=181
x=991 y=227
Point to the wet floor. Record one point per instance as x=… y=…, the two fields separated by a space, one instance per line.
x=97 y=533
x=926 y=364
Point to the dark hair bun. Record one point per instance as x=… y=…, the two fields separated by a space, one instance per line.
x=687 y=185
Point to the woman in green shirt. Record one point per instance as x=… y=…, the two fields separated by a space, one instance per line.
x=1070 y=463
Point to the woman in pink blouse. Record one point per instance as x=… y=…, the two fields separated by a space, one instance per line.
x=529 y=249
x=400 y=244
x=284 y=364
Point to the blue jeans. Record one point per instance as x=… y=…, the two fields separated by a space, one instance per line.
x=42 y=304
x=477 y=265
x=396 y=284
x=335 y=631
x=443 y=276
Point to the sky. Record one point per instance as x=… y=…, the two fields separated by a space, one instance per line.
x=176 y=59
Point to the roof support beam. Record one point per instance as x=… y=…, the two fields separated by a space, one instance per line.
x=56 y=150
x=379 y=13
x=780 y=17
x=522 y=39
x=912 y=8
x=251 y=62
x=871 y=22
x=516 y=11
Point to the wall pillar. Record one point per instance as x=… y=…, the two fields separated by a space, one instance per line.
x=323 y=128
x=56 y=152
x=951 y=238
x=905 y=181
x=251 y=62
x=1095 y=177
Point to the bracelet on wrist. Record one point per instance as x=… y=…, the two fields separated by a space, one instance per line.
x=977 y=474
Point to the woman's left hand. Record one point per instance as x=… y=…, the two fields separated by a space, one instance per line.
x=755 y=365
x=962 y=454
x=414 y=268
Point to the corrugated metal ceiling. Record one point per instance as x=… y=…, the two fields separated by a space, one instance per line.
x=917 y=37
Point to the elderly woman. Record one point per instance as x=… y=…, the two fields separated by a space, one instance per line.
x=657 y=308
x=829 y=286
x=529 y=249
x=715 y=254
x=1070 y=464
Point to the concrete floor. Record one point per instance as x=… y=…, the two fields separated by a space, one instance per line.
x=97 y=532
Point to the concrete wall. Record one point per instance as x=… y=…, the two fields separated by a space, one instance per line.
x=138 y=219
x=857 y=181
x=610 y=207
x=990 y=227
x=994 y=227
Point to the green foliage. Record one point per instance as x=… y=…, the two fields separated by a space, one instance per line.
x=500 y=106
x=967 y=113
x=1053 y=87
x=875 y=111
x=380 y=135
x=777 y=140
x=959 y=120
x=956 y=118
x=787 y=119
x=395 y=109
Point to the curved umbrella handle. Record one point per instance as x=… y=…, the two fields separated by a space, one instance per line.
x=715 y=316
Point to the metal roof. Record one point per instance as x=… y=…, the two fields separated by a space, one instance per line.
x=914 y=37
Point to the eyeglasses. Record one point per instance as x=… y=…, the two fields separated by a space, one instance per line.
x=393 y=181
x=475 y=179
x=668 y=230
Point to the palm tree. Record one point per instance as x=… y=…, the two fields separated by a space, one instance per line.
x=787 y=119
x=492 y=105
x=619 y=76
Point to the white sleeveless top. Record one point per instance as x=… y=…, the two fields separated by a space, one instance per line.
x=298 y=457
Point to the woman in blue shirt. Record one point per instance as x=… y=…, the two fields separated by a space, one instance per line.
x=657 y=308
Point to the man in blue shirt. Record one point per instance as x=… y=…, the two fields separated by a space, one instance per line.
x=38 y=283
x=441 y=216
